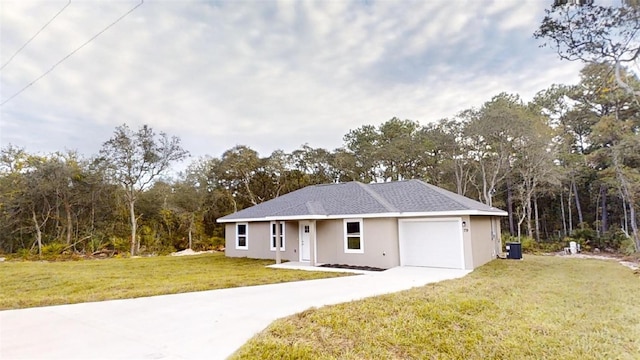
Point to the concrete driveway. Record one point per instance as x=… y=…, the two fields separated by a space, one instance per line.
x=208 y=324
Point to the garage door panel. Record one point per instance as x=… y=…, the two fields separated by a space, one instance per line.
x=431 y=243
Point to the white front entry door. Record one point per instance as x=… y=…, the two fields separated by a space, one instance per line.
x=305 y=241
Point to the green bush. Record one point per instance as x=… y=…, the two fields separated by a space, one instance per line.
x=627 y=246
x=120 y=245
x=585 y=236
x=531 y=246
x=528 y=244
x=96 y=243
x=52 y=250
x=165 y=250
x=201 y=244
x=550 y=246
x=615 y=239
x=217 y=243
x=212 y=243
x=24 y=254
x=147 y=238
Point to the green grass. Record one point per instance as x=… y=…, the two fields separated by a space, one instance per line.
x=30 y=284
x=539 y=308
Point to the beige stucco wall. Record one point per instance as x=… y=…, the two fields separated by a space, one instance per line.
x=484 y=245
x=229 y=241
x=467 y=237
x=380 y=243
x=329 y=233
x=291 y=241
x=259 y=247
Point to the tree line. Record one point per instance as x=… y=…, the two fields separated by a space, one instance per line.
x=564 y=164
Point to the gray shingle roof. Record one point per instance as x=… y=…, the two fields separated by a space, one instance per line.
x=355 y=198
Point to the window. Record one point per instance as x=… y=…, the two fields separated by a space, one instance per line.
x=353 y=236
x=273 y=236
x=242 y=236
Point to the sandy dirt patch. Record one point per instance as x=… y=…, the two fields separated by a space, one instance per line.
x=187 y=252
x=631 y=265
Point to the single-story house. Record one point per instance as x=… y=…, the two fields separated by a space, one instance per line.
x=408 y=223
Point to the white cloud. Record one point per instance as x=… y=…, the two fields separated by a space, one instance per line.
x=267 y=74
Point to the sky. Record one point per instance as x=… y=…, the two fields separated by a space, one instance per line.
x=266 y=74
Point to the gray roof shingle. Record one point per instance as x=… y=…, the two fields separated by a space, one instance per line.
x=355 y=198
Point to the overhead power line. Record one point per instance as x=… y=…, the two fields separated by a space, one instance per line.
x=34 y=36
x=71 y=53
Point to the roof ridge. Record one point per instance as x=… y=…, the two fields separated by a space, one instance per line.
x=315 y=208
x=285 y=208
x=381 y=200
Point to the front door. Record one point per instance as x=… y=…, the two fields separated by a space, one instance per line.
x=305 y=241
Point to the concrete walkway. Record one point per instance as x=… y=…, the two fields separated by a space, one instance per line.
x=208 y=324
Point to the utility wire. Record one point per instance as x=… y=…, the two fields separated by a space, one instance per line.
x=34 y=36
x=71 y=53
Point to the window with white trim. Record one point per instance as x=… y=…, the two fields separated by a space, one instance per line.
x=273 y=236
x=242 y=236
x=353 y=236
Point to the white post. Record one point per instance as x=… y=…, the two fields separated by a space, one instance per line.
x=312 y=241
x=277 y=234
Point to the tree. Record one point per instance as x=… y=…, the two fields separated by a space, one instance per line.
x=237 y=168
x=189 y=198
x=448 y=138
x=556 y=106
x=315 y=163
x=595 y=33
x=13 y=161
x=400 y=150
x=38 y=195
x=620 y=155
x=491 y=133
x=208 y=176
x=344 y=165
x=362 y=144
x=611 y=132
x=135 y=160
x=534 y=156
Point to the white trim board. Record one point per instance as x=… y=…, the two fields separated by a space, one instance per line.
x=368 y=216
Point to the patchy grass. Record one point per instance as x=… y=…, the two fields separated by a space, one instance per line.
x=29 y=284
x=539 y=308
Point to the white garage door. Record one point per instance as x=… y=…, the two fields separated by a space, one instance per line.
x=432 y=243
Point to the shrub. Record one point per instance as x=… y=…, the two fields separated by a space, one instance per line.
x=212 y=243
x=615 y=238
x=96 y=243
x=120 y=245
x=217 y=243
x=147 y=238
x=52 y=250
x=531 y=246
x=627 y=246
x=528 y=244
x=585 y=236
x=550 y=246
x=166 y=250
x=24 y=254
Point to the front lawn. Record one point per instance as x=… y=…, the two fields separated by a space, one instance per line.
x=29 y=284
x=539 y=308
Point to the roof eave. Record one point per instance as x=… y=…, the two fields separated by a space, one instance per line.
x=374 y=215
